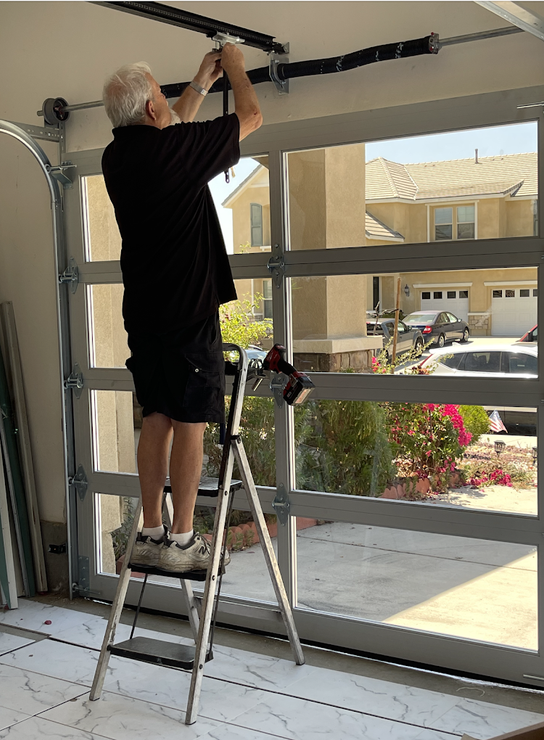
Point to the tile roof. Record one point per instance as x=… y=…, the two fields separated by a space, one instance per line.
x=375 y=229
x=509 y=174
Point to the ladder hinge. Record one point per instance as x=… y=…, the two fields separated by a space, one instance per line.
x=70 y=275
x=282 y=505
x=282 y=86
x=75 y=381
x=79 y=482
x=60 y=173
x=276 y=265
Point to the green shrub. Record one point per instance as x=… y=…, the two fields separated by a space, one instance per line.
x=342 y=446
x=476 y=421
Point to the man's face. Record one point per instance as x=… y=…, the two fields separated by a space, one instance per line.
x=160 y=105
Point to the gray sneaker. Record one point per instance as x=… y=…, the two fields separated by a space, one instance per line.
x=195 y=556
x=146 y=551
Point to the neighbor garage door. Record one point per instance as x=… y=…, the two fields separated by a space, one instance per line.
x=454 y=300
x=513 y=311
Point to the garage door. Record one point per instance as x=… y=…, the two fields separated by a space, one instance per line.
x=454 y=300
x=513 y=311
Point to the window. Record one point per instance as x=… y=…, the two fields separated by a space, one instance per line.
x=497 y=294
x=455 y=223
x=426 y=295
x=535 y=292
x=256 y=225
x=465 y=222
x=443 y=223
x=437 y=294
x=524 y=293
x=463 y=294
x=451 y=293
x=510 y=293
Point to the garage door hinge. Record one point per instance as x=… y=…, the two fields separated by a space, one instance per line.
x=60 y=173
x=81 y=588
x=282 y=505
x=79 y=482
x=276 y=265
x=75 y=381
x=70 y=275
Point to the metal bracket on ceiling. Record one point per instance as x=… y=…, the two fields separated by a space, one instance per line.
x=75 y=381
x=282 y=86
x=276 y=265
x=282 y=505
x=58 y=172
x=70 y=275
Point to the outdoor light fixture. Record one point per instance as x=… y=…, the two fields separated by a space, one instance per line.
x=406 y=291
x=499 y=446
x=535 y=455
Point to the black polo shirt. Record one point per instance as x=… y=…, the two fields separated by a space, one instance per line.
x=173 y=258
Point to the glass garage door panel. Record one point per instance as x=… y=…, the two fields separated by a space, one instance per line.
x=436 y=583
x=243 y=206
x=475 y=184
x=445 y=455
x=103 y=240
x=346 y=323
x=108 y=339
x=116 y=423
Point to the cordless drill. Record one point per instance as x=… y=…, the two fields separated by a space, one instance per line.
x=299 y=386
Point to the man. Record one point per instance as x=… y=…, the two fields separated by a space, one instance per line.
x=176 y=274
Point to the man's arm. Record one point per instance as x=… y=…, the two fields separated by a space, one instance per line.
x=190 y=101
x=246 y=105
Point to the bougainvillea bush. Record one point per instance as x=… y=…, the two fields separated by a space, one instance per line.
x=428 y=440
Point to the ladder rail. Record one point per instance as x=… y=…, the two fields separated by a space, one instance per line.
x=116 y=609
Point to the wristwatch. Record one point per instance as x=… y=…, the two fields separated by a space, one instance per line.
x=198 y=88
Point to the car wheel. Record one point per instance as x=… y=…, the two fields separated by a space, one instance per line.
x=465 y=336
x=418 y=347
x=441 y=341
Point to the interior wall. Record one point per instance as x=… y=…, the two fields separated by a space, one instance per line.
x=66 y=49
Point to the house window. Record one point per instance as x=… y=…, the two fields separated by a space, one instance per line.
x=463 y=294
x=535 y=292
x=437 y=294
x=509 y=293
x=426 y=295
x=451 y=294
x=267 y=299
x=497 y=294
x=524 y=293
x=455 y=223
x=443 y=223
x=256 y=225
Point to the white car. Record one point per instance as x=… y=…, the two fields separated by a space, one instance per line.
x=492 y=361
x=488 y=360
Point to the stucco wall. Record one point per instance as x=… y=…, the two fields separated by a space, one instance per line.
x=67 y=48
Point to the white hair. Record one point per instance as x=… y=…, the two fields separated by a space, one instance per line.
x=126 y=93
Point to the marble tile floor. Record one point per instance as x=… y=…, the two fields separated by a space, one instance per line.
x=48 y=656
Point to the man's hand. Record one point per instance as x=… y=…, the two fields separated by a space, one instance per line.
x=210 y=69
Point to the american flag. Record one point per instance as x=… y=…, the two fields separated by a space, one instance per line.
x=495 y=423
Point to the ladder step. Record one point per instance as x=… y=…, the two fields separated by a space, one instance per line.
x=158 y=652
x=191 y=575
x=209 y=487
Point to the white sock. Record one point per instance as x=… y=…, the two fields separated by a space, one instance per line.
x=154 y=532
x=183 y=538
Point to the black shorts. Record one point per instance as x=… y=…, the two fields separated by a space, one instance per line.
x=180 y=374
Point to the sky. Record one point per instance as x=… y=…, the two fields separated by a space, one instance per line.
x=514 y=138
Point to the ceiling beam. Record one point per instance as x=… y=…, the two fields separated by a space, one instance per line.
x=518 y=16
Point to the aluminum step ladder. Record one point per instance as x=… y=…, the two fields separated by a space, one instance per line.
x=200 y=612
